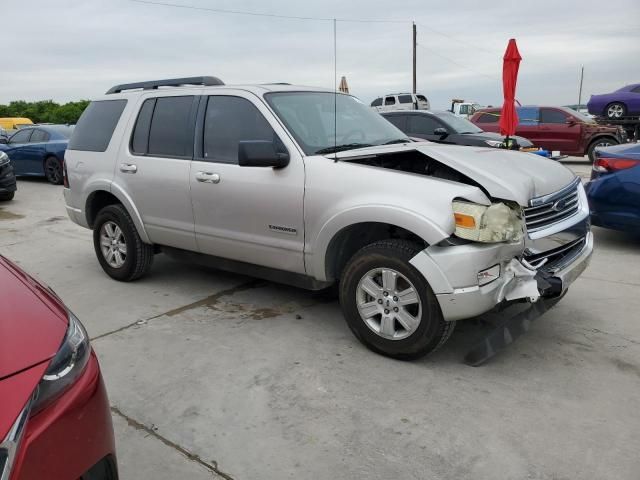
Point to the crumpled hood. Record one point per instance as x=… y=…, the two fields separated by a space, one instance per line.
x=505 y=174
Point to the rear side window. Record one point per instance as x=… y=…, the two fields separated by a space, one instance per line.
x=171 y=129
x=140 y=139
x=96 y=125
x=230 y=120
x=488 y=118
x=39 y=136
x=405 y=99
x=377 y=102
x=548 y=115
x=390 y=101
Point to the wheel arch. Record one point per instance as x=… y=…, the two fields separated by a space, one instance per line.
x=340 y=238
x=98 y=199
x=598 y=137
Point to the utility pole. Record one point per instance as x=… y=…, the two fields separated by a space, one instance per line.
x=580 y=89
x=415 y=43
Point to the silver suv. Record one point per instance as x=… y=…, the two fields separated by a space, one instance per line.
x=312 y=188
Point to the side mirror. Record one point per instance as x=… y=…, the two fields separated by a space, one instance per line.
x=260 y=153
x=571 y=122
x=4 y=140
x=441 y=132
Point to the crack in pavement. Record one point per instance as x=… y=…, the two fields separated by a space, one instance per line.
x=610 y=281
x=212 y=467
x=211 y=299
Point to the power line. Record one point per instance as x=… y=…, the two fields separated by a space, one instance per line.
x=455 y=39
x=271 y=15
x=458 y=64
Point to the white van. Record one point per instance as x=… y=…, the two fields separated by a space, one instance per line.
x=400 y=101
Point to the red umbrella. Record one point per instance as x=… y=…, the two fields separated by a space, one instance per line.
x=510 y=66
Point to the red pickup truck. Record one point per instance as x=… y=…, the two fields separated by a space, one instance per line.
x=554 y=128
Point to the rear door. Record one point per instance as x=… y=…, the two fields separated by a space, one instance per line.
x=556 y=133
x=249 y=214
x=34 y=152
x=406 y=102
x=153 y=167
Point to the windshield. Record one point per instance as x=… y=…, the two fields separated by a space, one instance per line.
x=312 y=118
x=579 y=115
x=458 y=124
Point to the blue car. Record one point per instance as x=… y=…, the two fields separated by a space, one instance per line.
x=38 y=151
x=614 y=189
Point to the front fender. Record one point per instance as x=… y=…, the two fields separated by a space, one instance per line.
x=414 y=222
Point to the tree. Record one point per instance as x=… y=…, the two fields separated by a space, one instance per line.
x=45 y=111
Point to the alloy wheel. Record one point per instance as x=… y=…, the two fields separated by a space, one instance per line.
x=53 y=171
x=388 y=303
x=615 y=111
x=113 y=244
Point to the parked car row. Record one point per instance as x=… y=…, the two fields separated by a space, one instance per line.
x=38 y=151
x=555 y=128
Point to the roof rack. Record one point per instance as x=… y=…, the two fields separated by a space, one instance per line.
x=170 y=82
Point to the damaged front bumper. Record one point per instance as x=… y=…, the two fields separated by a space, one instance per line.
x=518 y=280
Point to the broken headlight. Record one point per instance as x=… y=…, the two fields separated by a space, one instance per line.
x=497 y=222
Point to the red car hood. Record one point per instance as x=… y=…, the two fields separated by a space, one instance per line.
x=33 y=321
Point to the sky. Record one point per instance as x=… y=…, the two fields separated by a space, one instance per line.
x=75 y=49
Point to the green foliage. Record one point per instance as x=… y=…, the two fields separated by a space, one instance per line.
x=45 y=111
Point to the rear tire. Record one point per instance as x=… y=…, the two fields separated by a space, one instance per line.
x=616 y=110
x=53 y=170
x=5 y=197
x=120 y=250
x=417 y=328
x=597 y=143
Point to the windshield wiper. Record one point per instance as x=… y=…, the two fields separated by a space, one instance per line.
x=397 y=140
x=342 y=148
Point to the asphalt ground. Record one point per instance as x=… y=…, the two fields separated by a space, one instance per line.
x=213 y=375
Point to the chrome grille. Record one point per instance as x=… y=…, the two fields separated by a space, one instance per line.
x=551 y=209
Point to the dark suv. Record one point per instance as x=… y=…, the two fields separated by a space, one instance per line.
x=555 y=128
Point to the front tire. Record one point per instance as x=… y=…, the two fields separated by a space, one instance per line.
x=599 y=143
x=6 y=196
x=53 y=170
x=388 y=304
x=616 y=110
x=120 y=250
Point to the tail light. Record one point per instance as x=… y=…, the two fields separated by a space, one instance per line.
x=610 y=165
x=65 y=177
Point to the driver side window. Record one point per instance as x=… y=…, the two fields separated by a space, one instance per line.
x=230 y=120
